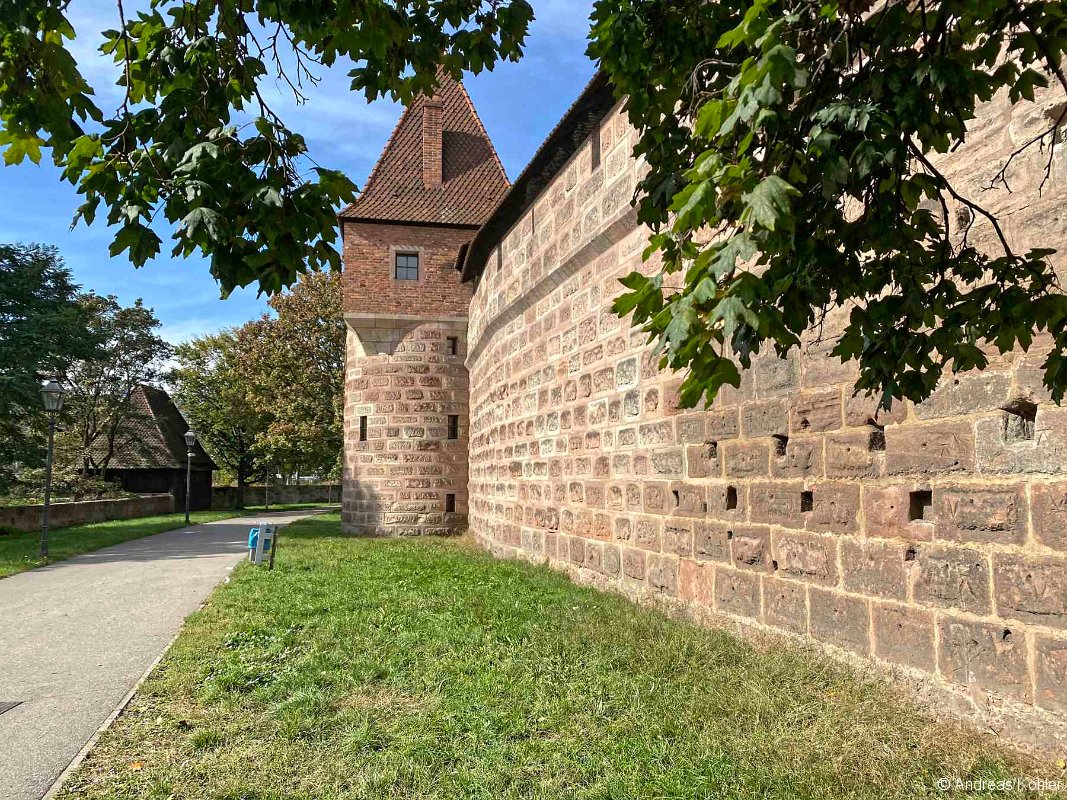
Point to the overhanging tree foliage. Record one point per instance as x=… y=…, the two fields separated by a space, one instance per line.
x=195 y=143
x=792 y=150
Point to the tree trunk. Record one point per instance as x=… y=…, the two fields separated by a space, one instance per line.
x=239 y=495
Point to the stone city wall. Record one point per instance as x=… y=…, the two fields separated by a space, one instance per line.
x=931 y=538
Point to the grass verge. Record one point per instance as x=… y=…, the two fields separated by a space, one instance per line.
x=18 y=551
x=425 y=669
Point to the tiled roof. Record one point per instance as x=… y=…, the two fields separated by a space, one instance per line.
x=152 y=439
x=472 y=177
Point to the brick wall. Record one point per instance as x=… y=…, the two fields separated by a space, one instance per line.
x=931 y=539
x=369 y=285
x=403 y=383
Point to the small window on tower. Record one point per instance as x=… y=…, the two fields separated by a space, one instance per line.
x=453 y=426
x=363 y=429
x=407 y=267
x=453 y=345
x=450 y=503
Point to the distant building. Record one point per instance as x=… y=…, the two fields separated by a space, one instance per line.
x=151 y=455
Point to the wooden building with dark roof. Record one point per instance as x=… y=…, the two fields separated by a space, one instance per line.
x=150 y=455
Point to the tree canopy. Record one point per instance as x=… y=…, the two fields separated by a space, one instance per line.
x=43 y=328
x=195 y=143
x=792 y=150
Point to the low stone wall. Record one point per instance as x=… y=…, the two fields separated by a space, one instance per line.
x=223 y=497
x=63 y=515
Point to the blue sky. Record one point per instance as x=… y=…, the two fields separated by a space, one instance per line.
x=519 y=104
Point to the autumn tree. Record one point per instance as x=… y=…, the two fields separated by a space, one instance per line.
x=213 y=389
x=295 y=361
x=101 y=387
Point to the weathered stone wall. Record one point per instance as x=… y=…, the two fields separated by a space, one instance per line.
x=63 y=515
x=223 y=497
x=931 y=539
x=403 y=380
x=402 y=377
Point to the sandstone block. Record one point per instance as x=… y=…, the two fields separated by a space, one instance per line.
x=1031 y=589
x=711 y=541
x=839 y=619
x=633 y=564
x=764 y=419
x=747 y=459
x=904 y=635
x=953 y=577
x=750 y=548
x=855 y=453
x=702 y=461
x=722 y=424
x=982 y=656
x=696 y=582
x=980 y=514
x=801 y=458
x=737 y=592
x=785 y=605
x=1005 y=446
x=815 y=412
x=678 y=537
x=887 y=512
x=776 y=504
x=862 y=409
x=930 y=449
x=806 y=557
x=875 y=568
x=835 y=507
x=663 y=574
x=1050 y=514
x=966 y=393
x=1050 y=661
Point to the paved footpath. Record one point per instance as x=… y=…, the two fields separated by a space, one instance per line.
x=76 y=636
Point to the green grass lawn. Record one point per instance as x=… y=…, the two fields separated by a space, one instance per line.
x=18 y=551
x=424 y=669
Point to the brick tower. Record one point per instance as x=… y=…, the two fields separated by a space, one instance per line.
x=406 y=412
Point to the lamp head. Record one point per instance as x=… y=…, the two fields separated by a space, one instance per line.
x=52 y=393
x=190 y=438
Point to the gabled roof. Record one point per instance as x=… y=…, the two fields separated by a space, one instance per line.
x=472 y=177
x=581 y=119
x=152 y=438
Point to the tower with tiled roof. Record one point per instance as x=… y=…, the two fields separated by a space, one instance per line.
x=406 y=414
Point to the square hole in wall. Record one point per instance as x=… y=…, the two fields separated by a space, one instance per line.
x=450 y=503
x=363 y=429
x=453 y=345
x=919 y=503
x=731 y=498
x=807 y=501
x=1020 y=421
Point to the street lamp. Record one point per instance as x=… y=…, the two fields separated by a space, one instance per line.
x=190 y=440
x=52 y=398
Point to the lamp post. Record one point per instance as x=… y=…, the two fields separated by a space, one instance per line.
x=52 y=398
x=190 y=440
